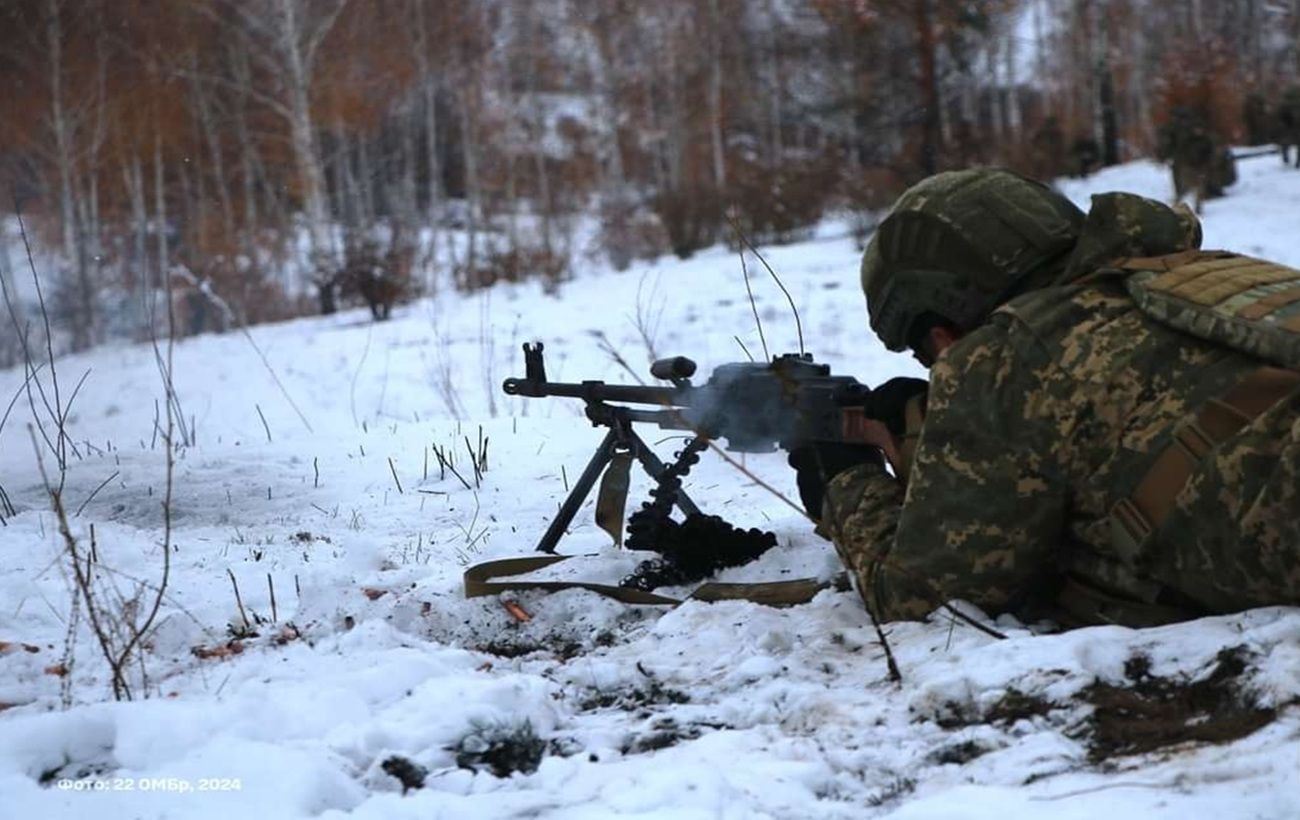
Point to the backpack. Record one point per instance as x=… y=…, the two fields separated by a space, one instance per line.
x=1240 y=302
x=1246 y=304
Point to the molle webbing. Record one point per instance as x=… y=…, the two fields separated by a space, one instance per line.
x=1136 y=519
x=1247 y=304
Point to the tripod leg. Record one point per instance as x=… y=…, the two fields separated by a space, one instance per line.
x=655 y=467
x=569 y=508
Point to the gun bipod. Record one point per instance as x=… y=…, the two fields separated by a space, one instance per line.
x=621 y=442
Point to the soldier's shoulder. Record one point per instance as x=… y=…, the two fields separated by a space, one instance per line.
x=1084 y=331
x=1049 y=314
x=1024 y=337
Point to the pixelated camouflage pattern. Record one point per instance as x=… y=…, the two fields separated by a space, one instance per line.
x=1037 y=424
x=1121 y=225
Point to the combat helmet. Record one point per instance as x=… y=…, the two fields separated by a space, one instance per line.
x=960 y=243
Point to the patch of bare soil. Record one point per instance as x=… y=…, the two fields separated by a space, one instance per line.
x=634 y=699
x=666 y=732
x=516 y=647
x=1156 y=712
x=958 y=753
x=1014 y=705
x=500 y=748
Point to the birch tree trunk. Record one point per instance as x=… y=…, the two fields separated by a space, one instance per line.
x=429 y=97
x=211 y=139
x=302 y=128
x=65 y=160
x=247 y=151
x=161 y=227
x=134 y=180
x=775 y=91
x=471 y=184
x=296 y=42
x=1107 y=118
x=715 y=97
x=932 y=115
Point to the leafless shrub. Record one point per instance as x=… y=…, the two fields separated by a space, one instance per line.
x=516 y=262
x=649 y=311
x=781 y=203
x=868 y=193
x=487 y=352
x=691 y=216
x=378 y=275
x=442 y=372
x=120 y=621
x=628 y=232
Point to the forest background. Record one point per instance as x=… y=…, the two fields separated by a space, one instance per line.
x=253 y=160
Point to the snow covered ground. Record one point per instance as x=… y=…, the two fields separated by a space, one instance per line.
x=707 y=710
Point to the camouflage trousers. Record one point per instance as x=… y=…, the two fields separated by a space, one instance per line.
x=1233 y=539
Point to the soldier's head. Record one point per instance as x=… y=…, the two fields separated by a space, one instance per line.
x=954 y=247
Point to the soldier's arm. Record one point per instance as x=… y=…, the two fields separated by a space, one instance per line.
x=982 y=514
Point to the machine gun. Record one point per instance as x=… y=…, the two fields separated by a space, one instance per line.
x=756 y=407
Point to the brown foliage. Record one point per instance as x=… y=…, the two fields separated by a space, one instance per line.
x=779 y=203
x=515 y=262
x=1205 y=81
x=691 y=215
x=380 y=278
x=628 y=232
x=142 y=136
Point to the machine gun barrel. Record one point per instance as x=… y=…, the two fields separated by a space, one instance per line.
x=600 y=391
x=535 y=385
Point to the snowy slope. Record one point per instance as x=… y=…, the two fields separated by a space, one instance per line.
x=721 y=710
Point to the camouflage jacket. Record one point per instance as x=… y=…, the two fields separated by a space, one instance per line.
x=1037 y=423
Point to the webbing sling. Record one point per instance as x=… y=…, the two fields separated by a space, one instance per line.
x=1084 y=604
x=480 y=580
x=1135 y=520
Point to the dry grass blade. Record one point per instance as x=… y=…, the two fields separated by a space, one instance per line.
x=233 y=318
x=393 y=469
x=748 y=355
x=895 y=675
x=265 y=426
x=798 y=324
x=238 y=601
x=749 y=291
x=607 y=347
x=95 y=492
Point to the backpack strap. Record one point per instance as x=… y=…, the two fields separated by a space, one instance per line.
x=913 y=421
x=1084 y=604
x=1136 y=519
x=1167 y=262
x=480 y=580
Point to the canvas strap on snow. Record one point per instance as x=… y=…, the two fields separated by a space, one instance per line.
x=1136 y=519
x=480 y=580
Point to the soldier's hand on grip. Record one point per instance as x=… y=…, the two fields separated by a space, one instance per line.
x=817 y=463
x=889 y=401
